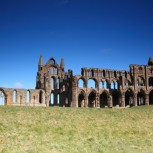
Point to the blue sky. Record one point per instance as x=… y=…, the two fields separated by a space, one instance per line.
x=87 y=33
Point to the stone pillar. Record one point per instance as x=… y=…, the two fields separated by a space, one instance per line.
x=110 y=102
x=47 y=100
x=146 y=78
x=135 y=99
x=147 y=99
x=123 y=100
x=86 y=100
x=97 y=101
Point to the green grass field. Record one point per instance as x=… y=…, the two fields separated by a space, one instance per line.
x=76 y=130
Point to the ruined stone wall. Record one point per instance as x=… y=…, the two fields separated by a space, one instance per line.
x=112 y=88
x=19 y=97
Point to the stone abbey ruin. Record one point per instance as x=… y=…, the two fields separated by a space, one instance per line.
x=112 y=88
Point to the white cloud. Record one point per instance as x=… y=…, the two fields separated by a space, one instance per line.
x=18 y=85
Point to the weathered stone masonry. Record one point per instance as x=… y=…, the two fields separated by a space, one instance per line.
x=110 y=88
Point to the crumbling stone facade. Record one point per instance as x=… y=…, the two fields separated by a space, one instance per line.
x=110 y=88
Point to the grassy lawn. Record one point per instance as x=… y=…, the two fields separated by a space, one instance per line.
x=76 y=130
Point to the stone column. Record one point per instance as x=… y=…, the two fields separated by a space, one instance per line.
x=86 y=100
x=135 y=99
x=147 y=99
x=47 y=100
x=123 y=100
x=110 y=102
x=97 y=101
x=146 y=78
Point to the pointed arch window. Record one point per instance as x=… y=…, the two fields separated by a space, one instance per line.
x=105 y=85
x=28 y=96
x=52 y=99
x=2 y=98
x=40 y=97
x=58 y=99
x=81 y=83
x=52 y=70
x=58 y=83
x=52 y=83
x=14 y=96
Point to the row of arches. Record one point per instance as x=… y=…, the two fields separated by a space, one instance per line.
x=104 y=99
x=61 y=99
x=20 y=98
x=105 y=73
x=93 y=83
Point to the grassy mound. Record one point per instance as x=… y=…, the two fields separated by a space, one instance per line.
x=71 y=130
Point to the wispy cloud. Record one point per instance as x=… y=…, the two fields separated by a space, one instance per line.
x=18 y=85
x=105 y=50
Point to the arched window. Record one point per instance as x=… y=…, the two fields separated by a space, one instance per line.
x=28 y=96
x=125 y=74
x=115 y=74
x=14 y=96
x=2 y=98
x=91 y=73
x=52 y=70
x=81 y=98
x=116 y=85
x=52 y=99
x=101 y=85
x=91 y=83
x=58 y=83
x=58 y=99
x=151 y=98
x=52 y=61
x=151 y=81
x=129 y=97
x=112 y=85
x=104 y=73
x=81 y=83
x=91 y=99
x=40 y=97
x=56 y=71
x=52 y=83
x=105 y=85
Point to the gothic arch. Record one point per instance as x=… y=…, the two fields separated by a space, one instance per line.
x=41 y=96
x=92 y=98
x=28 y=96
x=53 y=82
x=82 y=82
x=140 y=81
x=129 y=97
x=104 y=98
x=14 y=96
x=141 y=97
x=2 y=97
x=151 y=97
x=93 y=85
x=52 y=61
x=81 y=98
x=105 y=83
x=151 y=81
x=116 y=97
